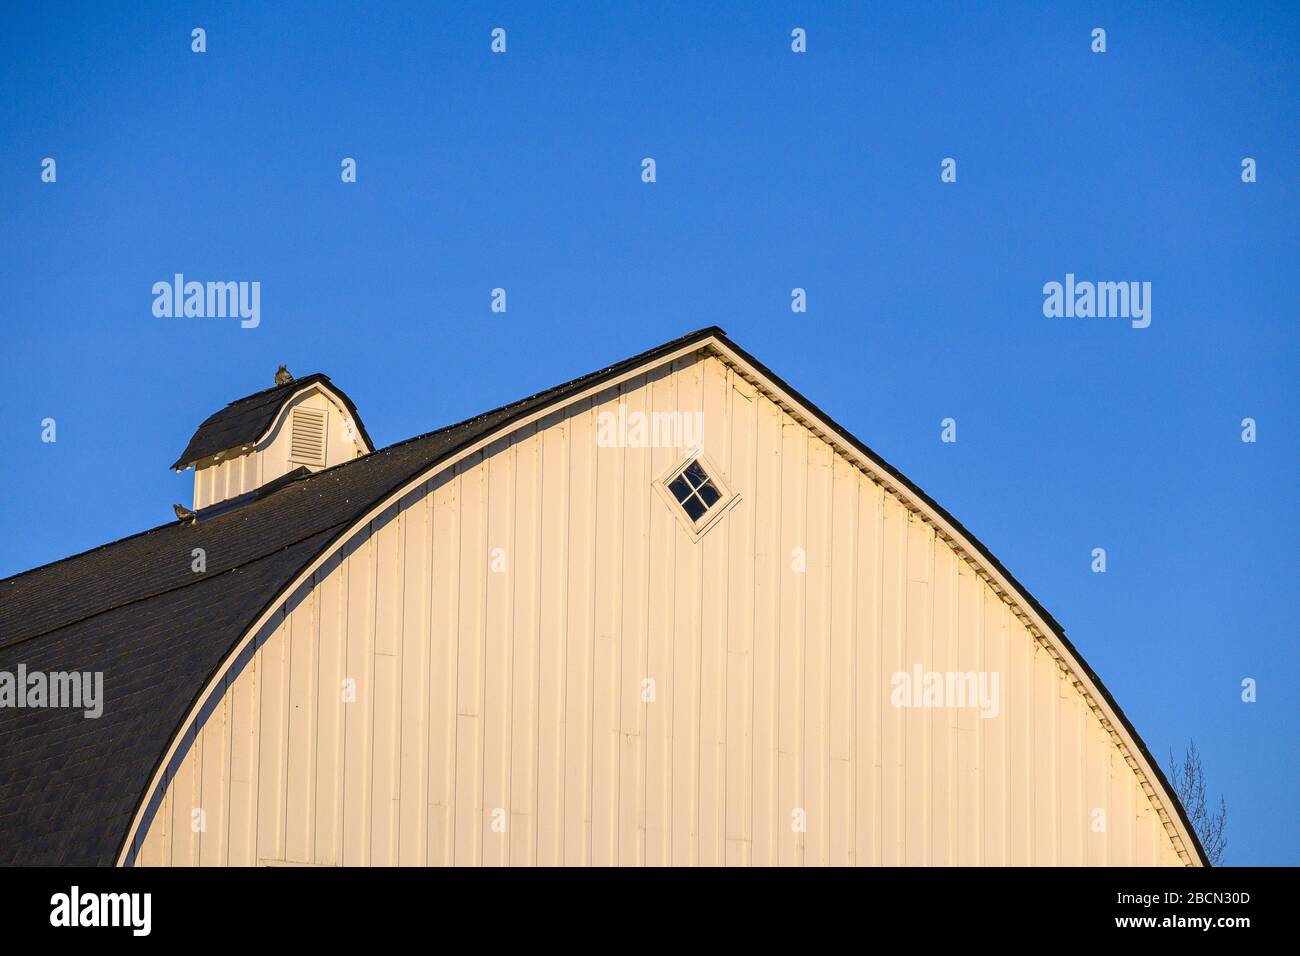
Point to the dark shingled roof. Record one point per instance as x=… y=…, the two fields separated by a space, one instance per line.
x=135 y=611
x=246 y=419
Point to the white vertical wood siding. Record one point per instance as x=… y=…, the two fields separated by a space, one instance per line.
x=547 y=670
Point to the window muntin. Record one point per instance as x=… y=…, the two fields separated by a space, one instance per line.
x=696 y=491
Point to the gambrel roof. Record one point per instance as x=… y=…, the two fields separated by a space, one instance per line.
x=135 y=610
x=246 y=420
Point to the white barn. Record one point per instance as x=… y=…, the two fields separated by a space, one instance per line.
x=668 y=613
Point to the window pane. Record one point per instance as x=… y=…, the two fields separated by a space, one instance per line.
x=694 y=507
x=679 y=488
x=696 y=474
x=709 y=494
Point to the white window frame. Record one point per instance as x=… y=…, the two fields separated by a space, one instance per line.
x=728 y=500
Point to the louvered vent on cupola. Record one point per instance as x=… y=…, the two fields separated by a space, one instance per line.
x=308 y=437
x=257 y=439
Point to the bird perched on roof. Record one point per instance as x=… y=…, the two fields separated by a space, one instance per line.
x=282 y=376
x=185 y=514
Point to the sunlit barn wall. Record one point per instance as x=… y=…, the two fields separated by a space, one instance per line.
x=499 y=715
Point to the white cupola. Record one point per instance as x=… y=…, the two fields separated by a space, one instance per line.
x=298 y=423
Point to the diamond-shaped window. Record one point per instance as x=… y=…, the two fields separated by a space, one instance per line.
x=697 y=488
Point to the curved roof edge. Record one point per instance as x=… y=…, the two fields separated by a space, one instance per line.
x=248 y=420
x=1021 y=592
x=534 y=407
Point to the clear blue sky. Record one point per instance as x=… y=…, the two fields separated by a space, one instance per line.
x=775 y=170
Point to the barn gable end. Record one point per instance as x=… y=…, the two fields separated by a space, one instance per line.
x=528 y=654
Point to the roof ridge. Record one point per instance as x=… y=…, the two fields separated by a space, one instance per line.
x=314 y=376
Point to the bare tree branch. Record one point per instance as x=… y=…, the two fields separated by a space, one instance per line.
x=1188 y=781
